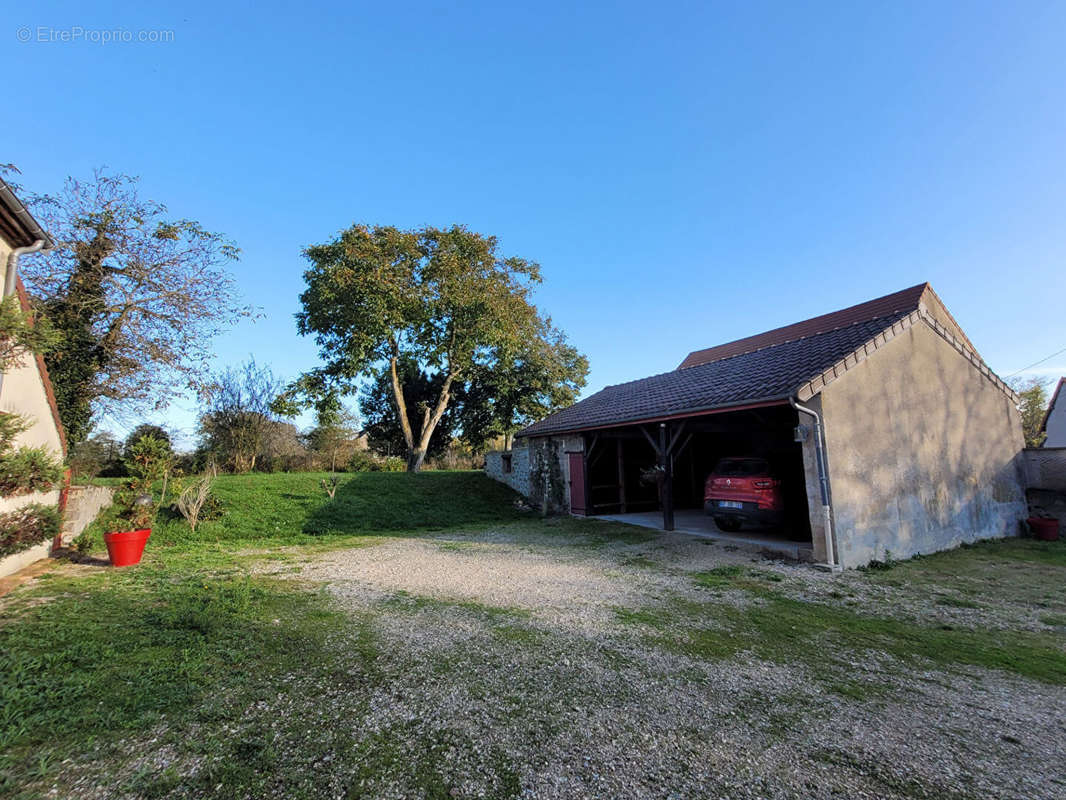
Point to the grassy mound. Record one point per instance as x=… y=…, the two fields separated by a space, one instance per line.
x=293 y=508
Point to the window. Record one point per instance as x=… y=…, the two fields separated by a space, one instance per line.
x=506 y=462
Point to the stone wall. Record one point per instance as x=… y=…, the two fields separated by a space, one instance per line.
x=518 y=476
x=925 y=452
x=1046 y=468
x=540 y=470
x=84 y=504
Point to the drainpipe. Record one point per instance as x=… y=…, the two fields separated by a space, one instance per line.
x=12 y=273
x=823 y=481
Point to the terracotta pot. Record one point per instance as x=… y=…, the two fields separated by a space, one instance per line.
x=125 y=548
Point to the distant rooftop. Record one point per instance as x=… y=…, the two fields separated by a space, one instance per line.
x=905 y=300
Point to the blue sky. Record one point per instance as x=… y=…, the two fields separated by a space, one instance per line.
x=685 y=173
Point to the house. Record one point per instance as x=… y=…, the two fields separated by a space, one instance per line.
x=890 y=434
x=25 y=388
x=1054 y=425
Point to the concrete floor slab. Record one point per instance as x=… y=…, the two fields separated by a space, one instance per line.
x=696 y=523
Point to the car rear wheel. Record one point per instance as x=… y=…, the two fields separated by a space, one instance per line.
x=728 y=524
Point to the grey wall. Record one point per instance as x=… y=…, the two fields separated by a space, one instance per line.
x=924 y=452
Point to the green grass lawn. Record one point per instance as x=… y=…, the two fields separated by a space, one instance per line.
x=293 y=508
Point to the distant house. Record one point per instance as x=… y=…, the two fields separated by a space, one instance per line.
x=888 y=431
x=1054 y=425
x=26 y=389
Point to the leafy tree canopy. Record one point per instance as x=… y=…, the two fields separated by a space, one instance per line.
x=147 y=429
x=444 y=300
x=1034 y=402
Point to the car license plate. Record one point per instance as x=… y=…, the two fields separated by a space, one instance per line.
x=729 y=504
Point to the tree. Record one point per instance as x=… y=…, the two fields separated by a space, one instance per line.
x=384 y=433
x=135 y=296
x=443 y=298
x=336 y=428
x=96 y=454
x=147 y=429
x=545 y=374
x=238 y=414
x=1033 y=406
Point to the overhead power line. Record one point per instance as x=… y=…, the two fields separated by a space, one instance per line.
x=1037 y=363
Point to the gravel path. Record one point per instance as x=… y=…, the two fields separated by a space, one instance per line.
x=511 y=649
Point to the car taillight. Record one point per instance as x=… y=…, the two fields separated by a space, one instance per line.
x=762 y=484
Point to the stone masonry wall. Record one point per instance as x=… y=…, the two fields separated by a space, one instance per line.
x=540 y=470
x=84 y=503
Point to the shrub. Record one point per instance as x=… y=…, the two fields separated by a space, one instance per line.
x=20 y=335
x=11 y=425
x=362 y=461
x=393 y=464
x=28 y=469
x=85 y=541
x=27 y=526
x=148 y=460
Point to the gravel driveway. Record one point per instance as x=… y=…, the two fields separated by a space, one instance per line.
x=549 y=654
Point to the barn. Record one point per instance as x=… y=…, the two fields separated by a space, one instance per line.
x=890 y=435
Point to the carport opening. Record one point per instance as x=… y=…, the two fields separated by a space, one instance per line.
x=622 y=479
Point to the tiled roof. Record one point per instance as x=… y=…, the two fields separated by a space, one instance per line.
x=771 y=373
x=906 y=300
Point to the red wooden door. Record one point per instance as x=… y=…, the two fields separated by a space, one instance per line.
x=578 y=495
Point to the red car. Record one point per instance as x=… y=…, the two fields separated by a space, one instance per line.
x=743 y=490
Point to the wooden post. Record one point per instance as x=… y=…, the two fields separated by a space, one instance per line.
x=621 y=479
x=668 y=479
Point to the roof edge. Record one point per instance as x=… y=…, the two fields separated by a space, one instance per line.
x=777 y=400
x=30 y=226
x=816 y=384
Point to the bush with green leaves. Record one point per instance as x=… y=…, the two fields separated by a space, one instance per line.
x=362 y=461
x=25 y=469
x=21 y=336
x=148 y=460
x=393 y=464
x=27 y=526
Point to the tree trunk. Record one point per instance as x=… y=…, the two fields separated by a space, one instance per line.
x=415 y=459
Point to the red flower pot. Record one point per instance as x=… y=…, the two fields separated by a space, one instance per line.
x=1046 y=528
x=126 y=547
